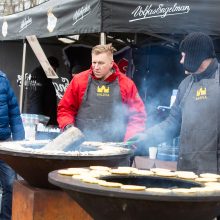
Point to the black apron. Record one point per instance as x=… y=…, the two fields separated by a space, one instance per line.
x=199 y=137
x=102 y=116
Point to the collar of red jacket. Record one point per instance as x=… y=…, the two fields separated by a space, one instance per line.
x=112 y=77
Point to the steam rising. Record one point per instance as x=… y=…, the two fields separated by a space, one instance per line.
x=158 y=72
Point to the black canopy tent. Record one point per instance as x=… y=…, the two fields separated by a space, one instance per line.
x=67 y=17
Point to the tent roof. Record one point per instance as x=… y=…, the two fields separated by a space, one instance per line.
x=67 y=17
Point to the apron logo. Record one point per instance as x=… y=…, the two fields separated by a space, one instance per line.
x=201 y=94
x=103 y=91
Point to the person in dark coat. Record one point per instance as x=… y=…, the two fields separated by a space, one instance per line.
x=11 y=127
x=195 y=114
x=42 y=97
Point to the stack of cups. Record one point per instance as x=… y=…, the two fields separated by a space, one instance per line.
x=153 y=153
x=29 y=122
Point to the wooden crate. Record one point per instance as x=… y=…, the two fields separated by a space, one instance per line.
x=31 y=203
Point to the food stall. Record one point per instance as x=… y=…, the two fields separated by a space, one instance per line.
x=92 y=17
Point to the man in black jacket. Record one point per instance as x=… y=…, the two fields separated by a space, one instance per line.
x=42 y=96
x=196 y=111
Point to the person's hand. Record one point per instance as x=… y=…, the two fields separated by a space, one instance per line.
x=138 y=144
x=138 y=138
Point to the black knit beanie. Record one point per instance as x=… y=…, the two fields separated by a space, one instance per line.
x=197 y=47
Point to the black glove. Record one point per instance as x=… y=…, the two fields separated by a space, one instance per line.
x=139 y=144
x=68 y=126
x=138 y=138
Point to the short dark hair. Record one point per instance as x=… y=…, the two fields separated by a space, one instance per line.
x=53 y=61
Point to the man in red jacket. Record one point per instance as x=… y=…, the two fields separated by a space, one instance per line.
x=102 y=102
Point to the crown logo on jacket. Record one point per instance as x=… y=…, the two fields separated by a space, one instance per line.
x=201 y=94
x=103 y=90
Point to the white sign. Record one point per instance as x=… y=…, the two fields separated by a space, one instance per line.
x=27 y=21
x=81 y=13
x=61 y=87
x=31 y=84
x=161 y=11
x=38 y=51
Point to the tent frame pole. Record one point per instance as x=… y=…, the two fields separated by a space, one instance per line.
x=22 y=76
x=102 y=38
